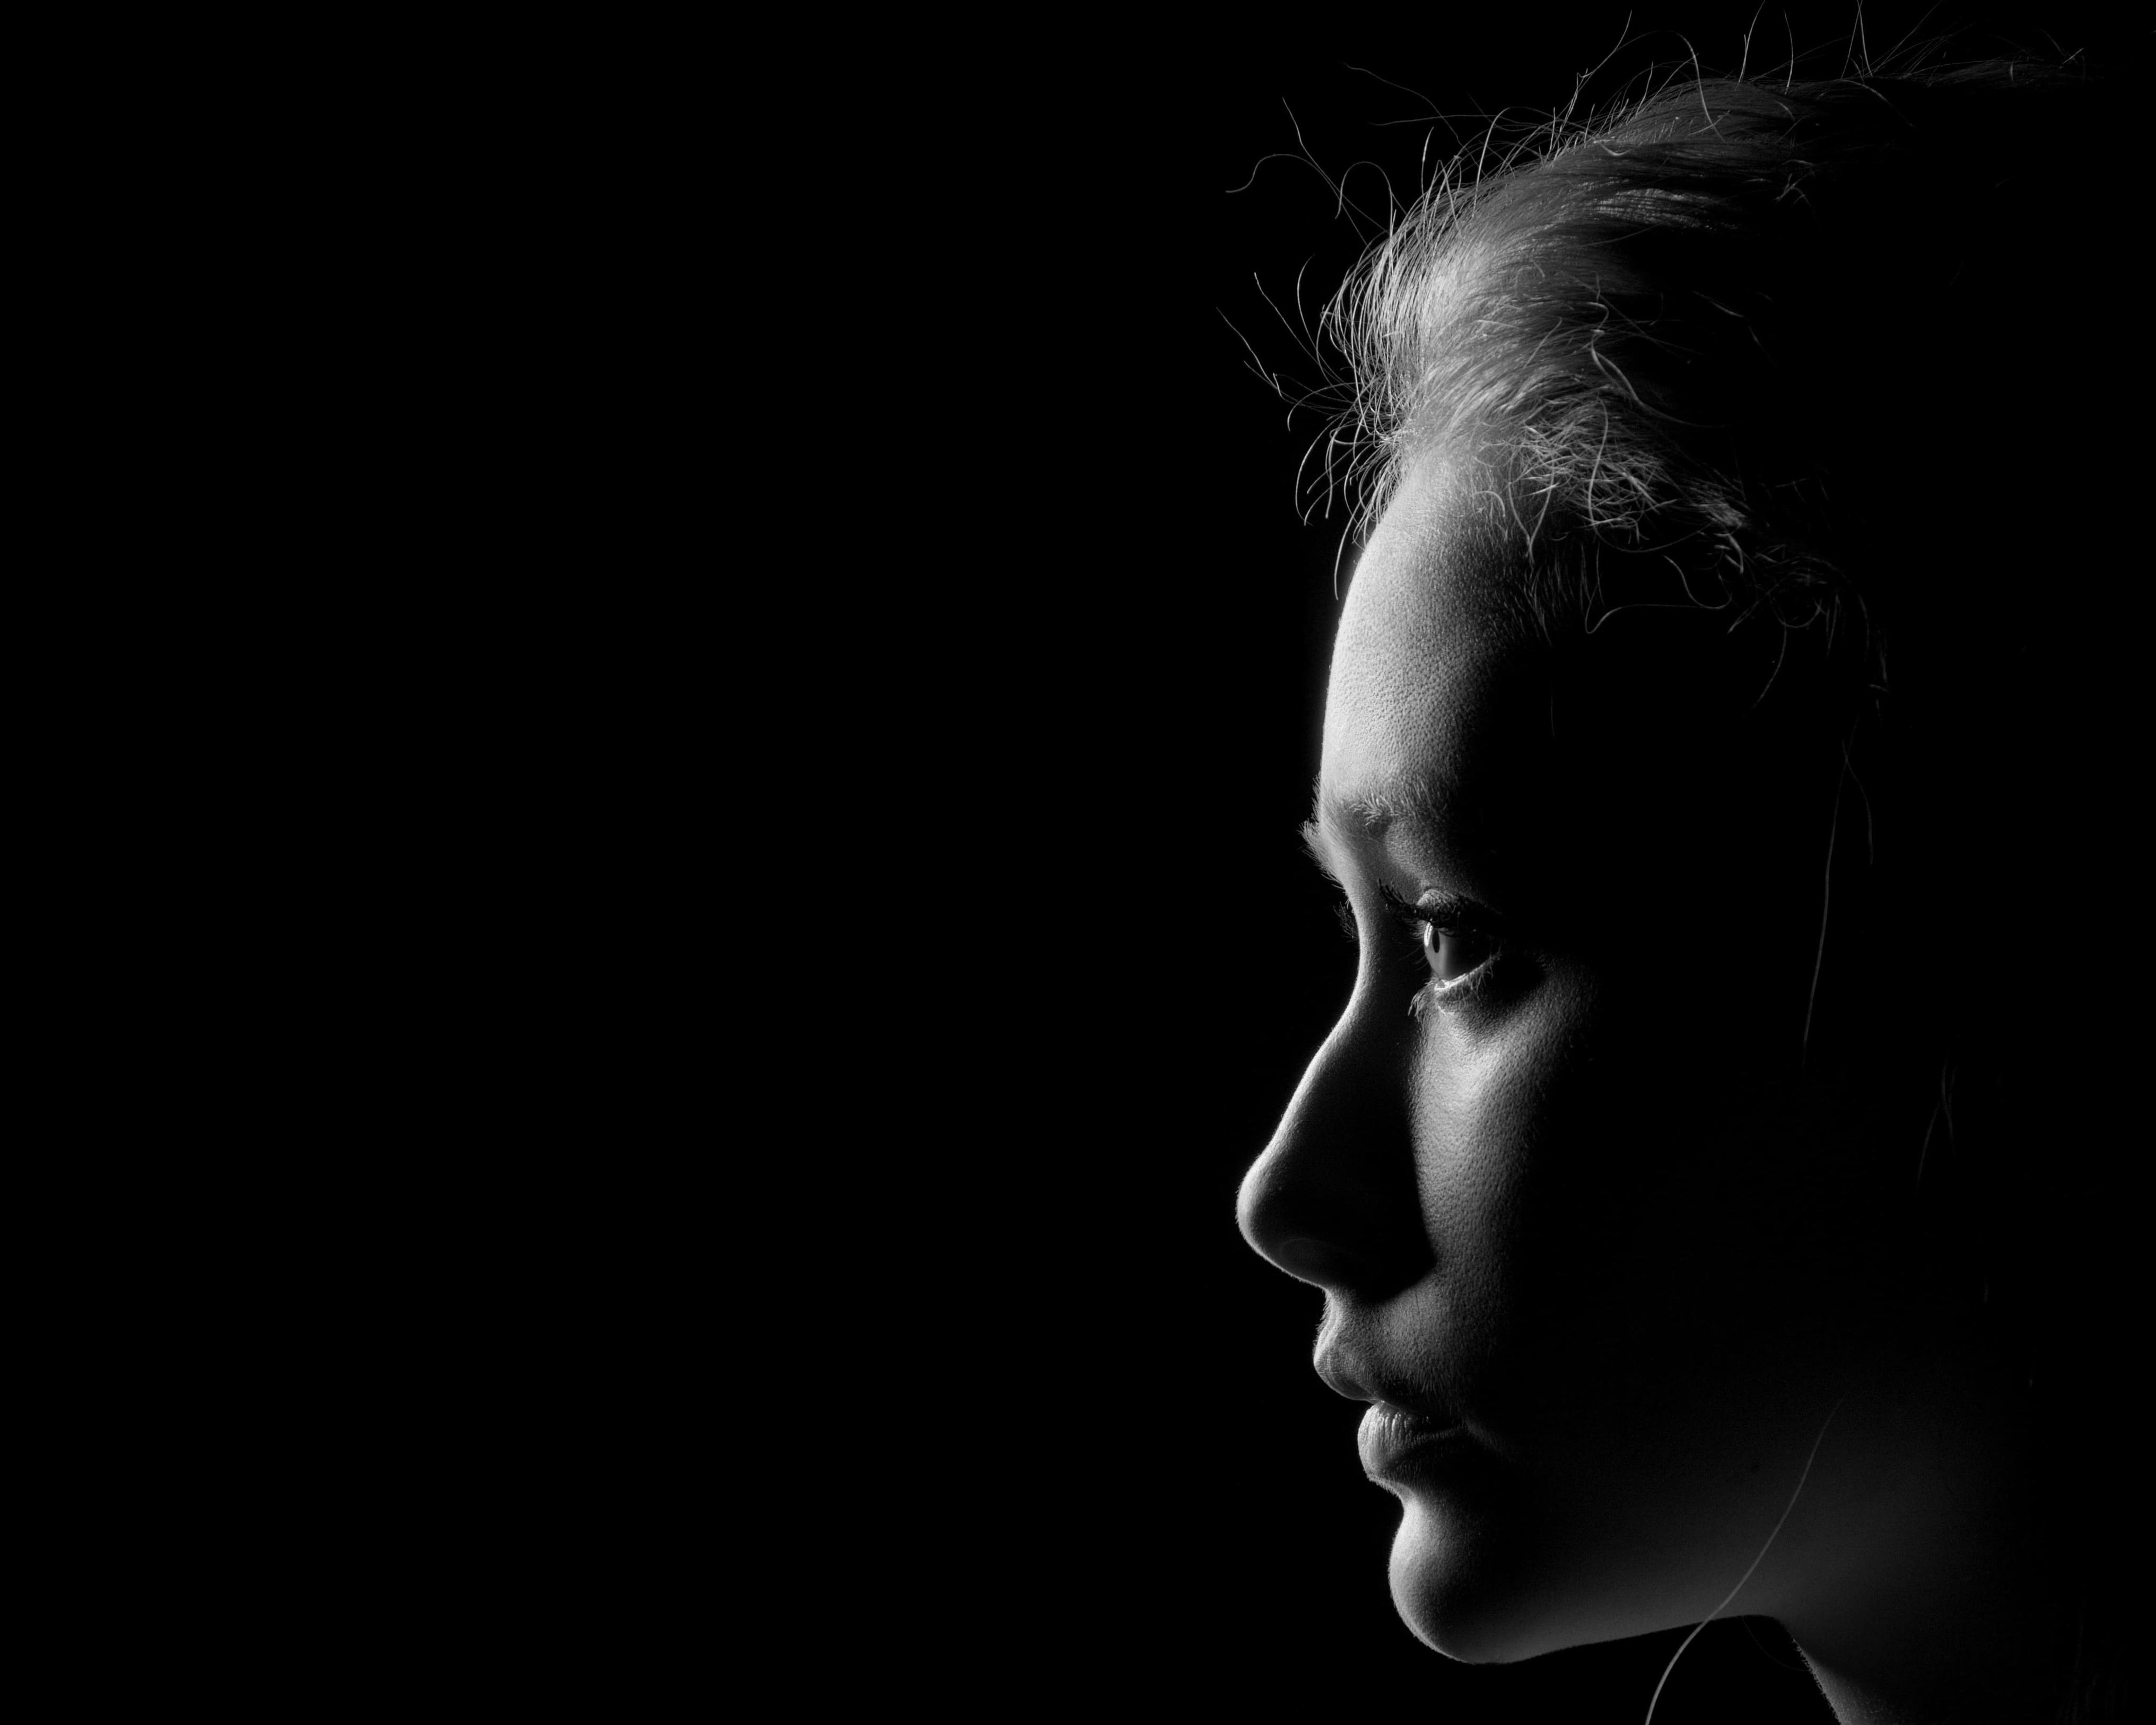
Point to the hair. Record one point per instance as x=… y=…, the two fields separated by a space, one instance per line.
x=1846 y=359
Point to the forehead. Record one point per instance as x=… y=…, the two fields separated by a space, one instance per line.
x=1427 y=694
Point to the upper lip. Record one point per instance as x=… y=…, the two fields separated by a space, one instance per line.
x=1345 y=1374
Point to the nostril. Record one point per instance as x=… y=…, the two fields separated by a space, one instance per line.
x=1307 y=1259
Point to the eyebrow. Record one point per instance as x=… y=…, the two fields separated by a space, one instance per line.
x=1368 y=815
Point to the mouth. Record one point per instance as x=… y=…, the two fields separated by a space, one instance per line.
x=1397 y=1443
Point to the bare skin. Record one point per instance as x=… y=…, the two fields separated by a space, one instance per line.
x=1590 y=1200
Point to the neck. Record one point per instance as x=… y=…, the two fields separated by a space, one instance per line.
x=1958 y=1608
x=2014 y=1678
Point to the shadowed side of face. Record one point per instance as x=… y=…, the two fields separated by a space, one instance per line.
x=1555 y=1167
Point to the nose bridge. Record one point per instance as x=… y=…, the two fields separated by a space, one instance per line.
x=1332 y=1199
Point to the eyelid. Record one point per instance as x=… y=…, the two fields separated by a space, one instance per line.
x=1444 y=910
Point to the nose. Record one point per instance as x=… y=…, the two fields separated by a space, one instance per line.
x=1333 y=1199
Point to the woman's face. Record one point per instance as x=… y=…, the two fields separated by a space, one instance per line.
x=1555 y=1167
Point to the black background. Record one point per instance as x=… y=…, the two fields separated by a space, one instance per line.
x=1132 y=1484
x=1037 y=696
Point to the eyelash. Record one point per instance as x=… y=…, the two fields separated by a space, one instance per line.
x=1447 y=915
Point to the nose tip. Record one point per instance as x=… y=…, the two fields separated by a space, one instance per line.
x=1275 y=1211
x=1331 y=1198
x=1266 y=1213
x=1258 y=1207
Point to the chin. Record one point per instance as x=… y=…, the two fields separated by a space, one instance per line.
x=1472 y=1589
x=1447 y=1590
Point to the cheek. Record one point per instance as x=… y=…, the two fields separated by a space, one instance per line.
x=1494 y=1119
x=1617 y=1226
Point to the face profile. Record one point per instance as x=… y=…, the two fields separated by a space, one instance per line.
x=1607 y=1180
x=1565 y=1210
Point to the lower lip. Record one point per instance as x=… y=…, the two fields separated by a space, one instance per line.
x=1395 y=1442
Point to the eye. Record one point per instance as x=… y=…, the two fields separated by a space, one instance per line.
x=1453 y=953
x=1458 y=940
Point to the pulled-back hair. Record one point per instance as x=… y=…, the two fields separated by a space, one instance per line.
x=1724 y=323
x=1858 y=361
